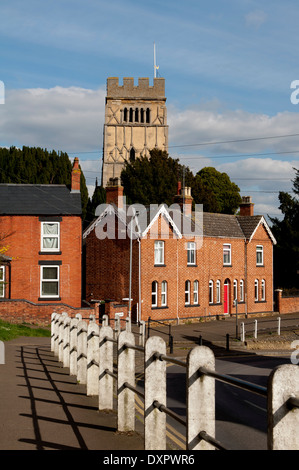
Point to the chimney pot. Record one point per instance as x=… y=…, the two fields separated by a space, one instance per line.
x=76 y=176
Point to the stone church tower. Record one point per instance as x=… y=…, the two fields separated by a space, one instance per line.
x=135 y=123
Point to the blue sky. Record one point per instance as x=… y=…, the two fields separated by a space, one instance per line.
x=228 y=66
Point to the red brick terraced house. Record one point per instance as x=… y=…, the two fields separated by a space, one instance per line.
x=42 y=226
x=173 y=275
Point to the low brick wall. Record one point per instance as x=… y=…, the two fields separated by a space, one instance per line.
x=288 y=304
x=24 y=311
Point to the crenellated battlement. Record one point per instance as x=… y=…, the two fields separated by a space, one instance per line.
x=130 y=91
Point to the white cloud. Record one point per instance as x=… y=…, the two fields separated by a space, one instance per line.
x=71 y=120
x=66 y=119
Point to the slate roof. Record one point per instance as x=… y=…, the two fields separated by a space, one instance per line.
x=214 y=225
x=38 y=199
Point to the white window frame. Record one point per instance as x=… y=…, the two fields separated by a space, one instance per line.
x=42 y=280
x=259 y=254
x=187 y=292
x=235 y=290
x=218 y=292
x=54 y=236
x=241 y=287
x=263 y=284
x=227 y=251
x=163 y=293
x=159 y=252
x=2 y=282
x=154 y=294
x=211 y=292
x=195 y=292
x=256 y=290
x=191 y=253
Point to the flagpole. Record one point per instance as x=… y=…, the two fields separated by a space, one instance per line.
x=154 y=60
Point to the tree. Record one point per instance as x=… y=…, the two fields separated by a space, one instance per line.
x=32 y=165
x=216 y=191
x=286 y=232
x=98 y=197
x=153 y=180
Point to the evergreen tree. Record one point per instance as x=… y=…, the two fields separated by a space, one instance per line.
x=31 y=165
x=286 y=232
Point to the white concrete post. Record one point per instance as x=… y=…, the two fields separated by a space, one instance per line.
x=128 y=325
x=56 y=334
x=283 y=422
x=278 y=326
x=125 y=373
x=92 y=359
x=66 y=342
x=117 y=327
x=105 y=320
x=105 y=363
x=53 y=332
x=142 y=333
x=243 y=332
x=154 y=390
x=255 y=329
x=82 y=351
x=200 y=398
x=73 y=345
x=60 y=337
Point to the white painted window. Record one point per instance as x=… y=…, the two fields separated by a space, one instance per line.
x=191 y=253
x=187 y=293
x=227 y=259
x=2 y=281
x=241 y=290
x=256 y=290
x=50 y=236
x=195 y=292
x=211 y=292
x=259 y=255
x=154 y=294
x=263 y=293
x=49 y=281
x=164 y=293
x=218 y=292
x=159 y=252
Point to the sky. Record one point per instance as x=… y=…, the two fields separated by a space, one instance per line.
x=228 y=66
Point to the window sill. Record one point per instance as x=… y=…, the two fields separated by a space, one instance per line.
x=191 y=305
x=227 y=265
x=189 y=265
x=159 y=308
x=260 y=301
x=47 y=299
x=159 y=265
x=49 y=252
x=260 y=265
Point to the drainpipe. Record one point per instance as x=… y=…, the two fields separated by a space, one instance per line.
x=246 y=307
x=177 y=281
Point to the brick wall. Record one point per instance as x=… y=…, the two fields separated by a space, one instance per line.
x=24 y=241
x=286 y=304
x=108 y=273
x=23 y=311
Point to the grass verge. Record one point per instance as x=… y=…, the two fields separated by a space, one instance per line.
x=10 y=331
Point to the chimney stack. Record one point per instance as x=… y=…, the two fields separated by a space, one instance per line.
x=76 y=175
x=184 y=199
x=114 y=193
x=246 y=207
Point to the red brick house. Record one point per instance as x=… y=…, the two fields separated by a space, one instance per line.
x=179 y=277
x=42 y=226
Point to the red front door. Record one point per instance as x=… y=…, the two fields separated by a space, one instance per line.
x=225 y=298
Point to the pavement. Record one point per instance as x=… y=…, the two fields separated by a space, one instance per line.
x=42 y=407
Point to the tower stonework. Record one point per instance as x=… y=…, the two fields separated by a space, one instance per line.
x=135 y=123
